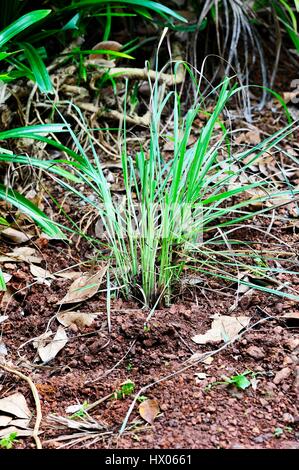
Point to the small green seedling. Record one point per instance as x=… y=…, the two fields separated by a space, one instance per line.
x=129 y=366
x=146 y=328
x=9 y=441
x=278 y=432
x=81 y=413
x=126 y=389
x=142 y=398
x=240 y=381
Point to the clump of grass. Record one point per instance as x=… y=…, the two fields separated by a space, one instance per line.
x=168 y=205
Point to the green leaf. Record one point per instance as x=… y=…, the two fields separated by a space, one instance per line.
x=29 y=132
x=20 y=24
x=4 y=222
x=38 y=68
x=240 y=381
x=100 y=51
x=4 y=55
x=53 y=166
x=73 y=23
x=2 y=282
x=27 y=207
x=154 y=6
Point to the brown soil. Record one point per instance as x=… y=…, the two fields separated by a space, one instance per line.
x=191 y=416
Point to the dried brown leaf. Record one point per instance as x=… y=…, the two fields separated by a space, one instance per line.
x=15 y=405
x=15 y=236
x=47 y=353
x=224 y=328
x=80 y=319
x=12 y=429
x=83 y=288
x=21 y=254
x=40 y=273
x=71 y=275
x=149 y=410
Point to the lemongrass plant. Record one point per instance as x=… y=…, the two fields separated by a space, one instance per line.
x=168 y=205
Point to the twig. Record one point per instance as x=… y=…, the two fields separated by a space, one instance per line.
x=145 y=74
x=98 y=402
x=36 y=400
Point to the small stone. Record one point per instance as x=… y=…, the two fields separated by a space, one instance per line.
x=88 y=359
x=292 y=343
x=211 y=409
x=256 y=430
x=278 y=307
x=262 y=438
x=282 y=375
x=287 y=361
x=278 y=330
x=255 y=352
x=73 y=363
x=263 y=402
x=288 y=418
x=208 y=360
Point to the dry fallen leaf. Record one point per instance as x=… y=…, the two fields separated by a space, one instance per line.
x=43 y=339
x=15 y=236
x=74 y=408
x=252 y=137
x=224 y=328
x=20 y=254
x=281 y=375
x=3 y=349
x=7 y=298
x=84 y=287
x=289 y=96
x=5 y=420
x=12 y=429
x=149 y=410
x=71 y=275
x=15 y=405
x=7 y=277
x=40 y=273
x=48 y=352
x=80 y=319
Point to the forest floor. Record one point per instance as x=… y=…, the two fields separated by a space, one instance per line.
x=95 y=362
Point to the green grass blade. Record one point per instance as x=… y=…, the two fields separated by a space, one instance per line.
x=28 y=208
x=38 y=68
x=2 y=282
x=150 y=5
x=20 y=24
x=30 y=131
